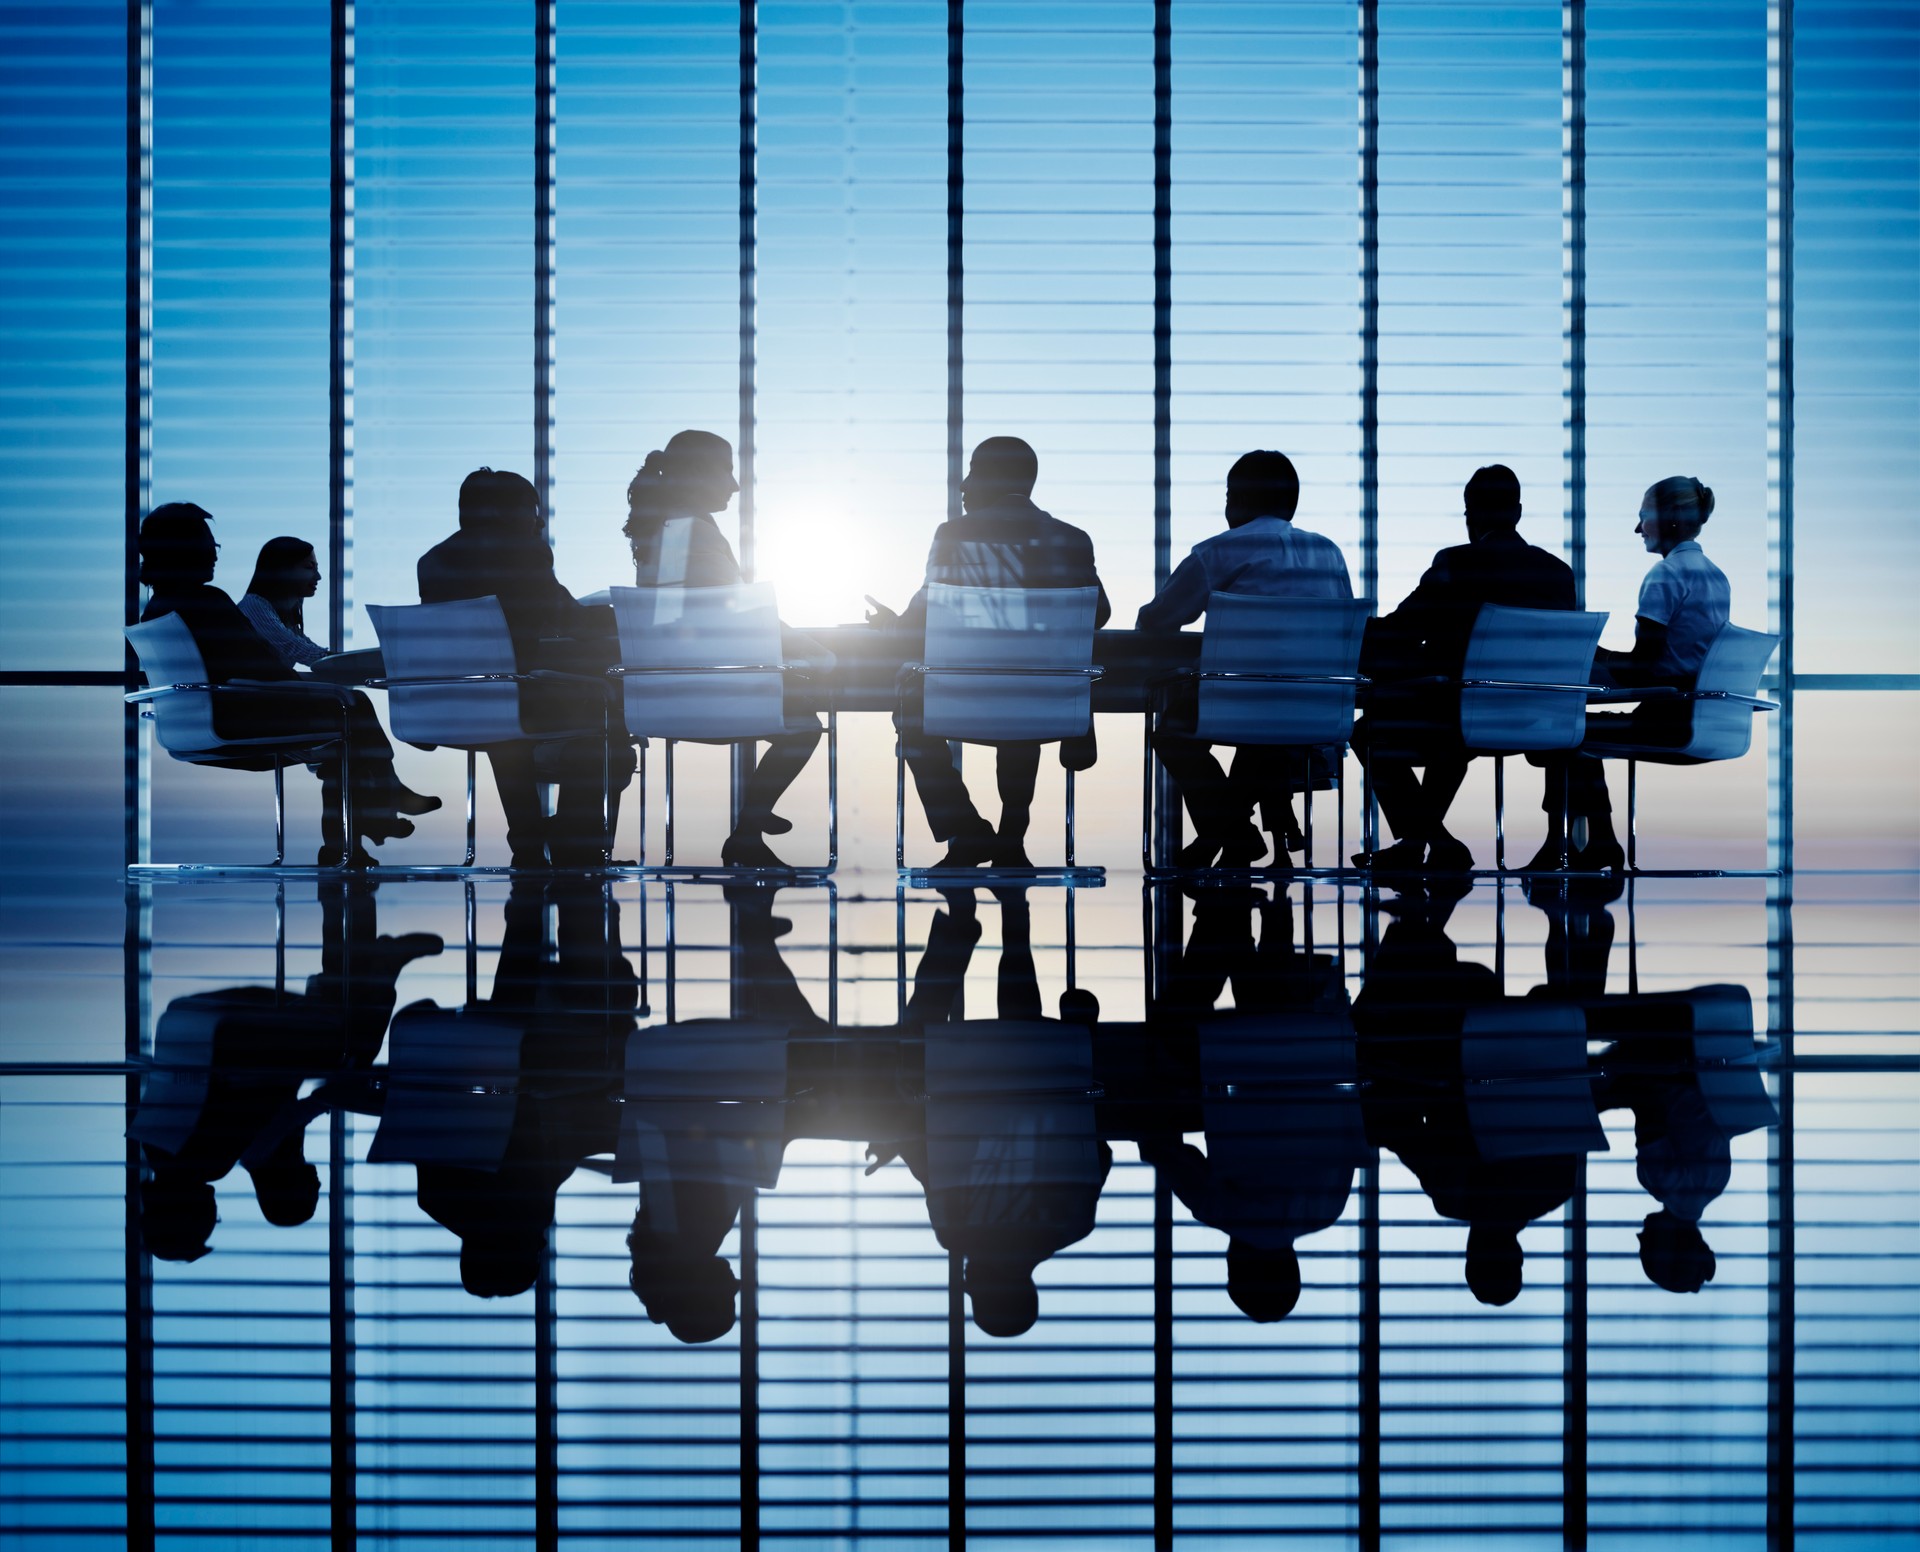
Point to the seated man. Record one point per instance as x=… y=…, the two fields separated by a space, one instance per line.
x=499 y=552
x=1427 y=635
x=1002 y=540
x=1261 y=554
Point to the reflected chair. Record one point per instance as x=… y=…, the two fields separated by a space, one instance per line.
x=1722 y=705
x=707 y=665
x=1004 y=665
x=1279 y=673
x=452 y=680
x=1524 y=690
x=181 y=700
x=1525 y=1080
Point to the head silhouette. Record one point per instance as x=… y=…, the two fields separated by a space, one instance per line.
x=177 y=548
x=498 y=500
x=1674 y=1254
x=497 y=1266
x=1262 y=484
x=1672 y=512
x=1263 y=1284
x=1494 y=1263
x=177 y=1215
x=286 y=573
x=1002 y=466
x=1492 y=500
x=1005 y=1301
x=692 y=473
x=288 y=1191
x=692 y=1296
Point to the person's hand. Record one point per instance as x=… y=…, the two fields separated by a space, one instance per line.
x=880 y=1155
x=880 y=616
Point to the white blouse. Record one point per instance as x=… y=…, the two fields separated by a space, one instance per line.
x=293 y=647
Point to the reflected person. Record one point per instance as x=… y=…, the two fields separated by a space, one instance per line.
x=676 y=543
x=1408 y=725
x=1001 y=540
x=1685 y=602
x=1261 y=555
x=500 y=552
x=178 y=554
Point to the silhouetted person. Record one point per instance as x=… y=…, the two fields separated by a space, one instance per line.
x=1685 y=601
x=1427 y=635
x=1002 y=540
x=573 y=1010
x=177 y=559
x=229 y=1066
x=676 y=543
x=499 y=552
x=1410 y=1016
x=1263 y=555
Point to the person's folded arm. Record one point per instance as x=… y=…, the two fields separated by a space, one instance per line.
x=1180 y=602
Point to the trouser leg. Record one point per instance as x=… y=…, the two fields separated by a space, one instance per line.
x=1202 y=783
x=1438 y=788
x=1586 y=787
x=1402 y=803
x=943 y=795
x=776 y=771
x=514 y=780
x=1016 y=771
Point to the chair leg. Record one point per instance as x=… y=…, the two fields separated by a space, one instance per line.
x=1500 y=813
x=1146 y=793
x=279 y=811
x=1566 y=817
x=1340 y=813
x=833 y=794
x=640 y=778
x=899 y=803
x=669 y=764
x=472 y=762
x=1069 y=818
x=1633 y=813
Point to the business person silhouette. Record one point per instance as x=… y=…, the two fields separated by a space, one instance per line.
x=1685 y=600
x=1407 y=726
x=178 y=554
x=676 y=543
x=499 y=552
x=1001 y=540
x=228 y=1067
x=1261 y=554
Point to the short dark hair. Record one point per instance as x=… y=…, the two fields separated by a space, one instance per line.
x=1494 y=1263
x=1263 y=1284
x=496 y=496
x=1493 y=494
x=1265 y=479
x=1005 y=1301
x=173 y=544
x=1008 y=460
x=1674 y=1253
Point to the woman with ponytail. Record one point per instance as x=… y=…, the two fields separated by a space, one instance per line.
x=676 y=543
x=1685 y=600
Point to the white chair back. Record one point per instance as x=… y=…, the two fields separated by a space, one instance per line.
x=446 y=642
x=1317 y=637
x=1723 y=729
x=1534 y=649
x=1730 y=1080
x=1524 y=1062
x=452 y=1088
x=1001 y=628
x=169 y=655
x=681 y=637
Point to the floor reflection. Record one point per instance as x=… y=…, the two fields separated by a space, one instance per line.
x=679 y=1210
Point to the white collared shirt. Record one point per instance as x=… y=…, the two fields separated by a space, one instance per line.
x=1265 y=557
x=1689 y=595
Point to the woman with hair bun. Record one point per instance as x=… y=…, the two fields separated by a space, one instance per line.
x=676 y=543
x=1685 y=600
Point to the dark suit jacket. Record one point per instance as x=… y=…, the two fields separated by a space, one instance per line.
x=229 y=645
x=1428 y=633
x=1014 y=544
x=511 y=564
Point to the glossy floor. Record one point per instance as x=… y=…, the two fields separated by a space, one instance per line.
x=841 y=1218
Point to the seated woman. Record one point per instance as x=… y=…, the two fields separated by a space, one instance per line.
x=1685 y=601
x=676 y=543
x=177 y=557
x=285 y=576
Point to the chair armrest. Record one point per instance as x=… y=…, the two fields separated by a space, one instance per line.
x=388 y=684
x=1522 y=684
x=1266 y=678
x=335 y=693
x=628 y=671
x=1728 y=695
x=1624 y=695
x=1093 y=671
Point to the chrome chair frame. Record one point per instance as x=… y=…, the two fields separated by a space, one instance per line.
x=1358 y=681
x=1070 y=871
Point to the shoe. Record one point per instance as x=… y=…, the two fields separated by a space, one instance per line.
x=387 y=827
x=1400 y=857
x=577 y=854
x=407 y=801
x=768 y=823
x=1449 y=855
x=1011 y=852
x=1198 y=853
x=528 y=859
x=1600 y=856
x=1547 y=858
x=1244 y=848
x=742 y=850
x=970 y=851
